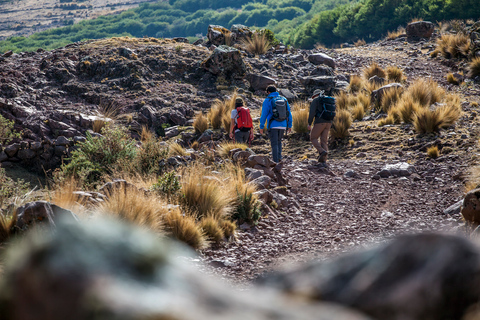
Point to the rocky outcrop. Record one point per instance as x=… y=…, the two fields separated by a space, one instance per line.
x=259 y=82
x=419 y=29
x=42 y=212
x=226 y=61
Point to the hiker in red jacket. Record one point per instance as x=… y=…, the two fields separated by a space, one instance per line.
x=242 y=123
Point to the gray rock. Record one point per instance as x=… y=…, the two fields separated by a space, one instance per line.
x=177 y=117
x=171 y=132
x=225 y=61
x=12 y=149
x=384 y=173
x=321 y=58
x=26 y=154
x=259 y=82
x=41 y=211
x=350 y=174
x=420 y=29
x=252 y=174
x=63 y=141
x=125 y=52
x=297 y=57
x=216 y=34
x=36 y=146
x=326 y=83
x=378 y=94
x=322 y=70
x=263 y=161
x=264 y=195
x=3 y=156
x=471 y=207
x=60 y=151
x=376 y=79
x=262 y=182
x=241 y=156
x=289 y=95
x=206 y=136
x=454 y=209
x=382 y=284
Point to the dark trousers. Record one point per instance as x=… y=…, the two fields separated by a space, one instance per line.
x=276 y=136
x=242 y=137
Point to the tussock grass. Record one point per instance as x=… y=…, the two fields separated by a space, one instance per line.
x=395 y=34
x=389 y=120
x=407 y=107
x=226 y=121
x=341 y=124
x=184 y=228
x=371 y=86
x=200 y=123
x=257 y=44
x=356 y=84
x=300 y=105
x=225 y=147
x=228 y=227
x=344 y=101
x=364 y=100
x=146 y=134
x=426 y=92
x=373 y=70
x=395 y=74
x=212 y=229
x=218 y=109
x=454 y=45
x=452 y=79
x=474 y=68
x=204 y=195
x=109 y=112
x=433 y=152
x=300 y=120
x=359 y=43
x=63 y=195
x=175 y=149
x=134 y=206
x=390 y=98
x=6 y=228
x=427 y=120
x=358 y=111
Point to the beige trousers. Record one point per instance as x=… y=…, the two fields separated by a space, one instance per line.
x=320 y=130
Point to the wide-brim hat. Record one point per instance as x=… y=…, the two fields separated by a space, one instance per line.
x=317 y=92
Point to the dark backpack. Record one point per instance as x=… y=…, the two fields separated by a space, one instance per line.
x=244 y=119
x=326 y=108
x=279 y=108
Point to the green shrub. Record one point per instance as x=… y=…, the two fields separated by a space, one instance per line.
x=167 y=184
x=10 y=188
x=6 y=130
x=247 y=208
x=147 y=160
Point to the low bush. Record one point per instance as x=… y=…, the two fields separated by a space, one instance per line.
x=395 y=74
x=425 y=91
x=147 y=160
x=390 y=98
x=474 y=68
x=212 y=229
x=184 y=228
x=7 y=223
x=7 y=133
x=356 y=84
x=258 y=44
x=433 y=152
x=167 y=184
x=200 y=123
x=10 y=189
x=341 y=124
x=373 y=70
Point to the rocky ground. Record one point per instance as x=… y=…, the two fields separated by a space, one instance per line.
x=379 y=184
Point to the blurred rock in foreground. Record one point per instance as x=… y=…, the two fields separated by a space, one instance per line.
x=107 y=270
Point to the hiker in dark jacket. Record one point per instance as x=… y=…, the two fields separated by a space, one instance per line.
x=320 y=129
x=276 y=129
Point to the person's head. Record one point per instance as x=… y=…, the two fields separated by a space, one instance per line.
x=271 y=88
x=316 y=93
x=239 y=102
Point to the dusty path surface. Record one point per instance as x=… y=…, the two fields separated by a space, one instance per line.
x=348 y=207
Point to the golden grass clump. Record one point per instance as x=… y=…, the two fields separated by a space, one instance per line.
x=133 y=205
x=371 y=86
x=300 y=105
x=386 y=121
x=212 y=229
x=364 y=100
x=390 y=98
x=226 y=121
x=225 y=147
x=184 y=228
x=454 y=45
x=216 y=112
x=474 y=68
x=433 y=152
x=427 y=120
x=203 y=194
x=452 y=79
x=344 y=101
x=146 y=134
x=300 y=120
x=64 y=195
x=200 y=123
x=6 y=227
x=392 y=35
x=359 y=43
x=341 y=124
x=358 y=111
x=395 y=74
x=426 y=92
x=257 y=44
x=407 y=107
x=374 y=70
x=356 y=84
x=228 y=227
x=175 y=149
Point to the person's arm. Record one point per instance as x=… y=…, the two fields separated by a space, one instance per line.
x=232 y=125
x=290 y=119
x=311 y=114
x=263 y=117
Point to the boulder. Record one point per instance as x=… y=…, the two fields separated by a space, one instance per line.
x=41 y=211
x=420 y=29
x=240 y=32
x=252 y=174
x=105 y=269
x=378 y=94
x=415 y=277
x=3 y=156
x=12 y=149
x=322 y=70
x=206 y=136
x=63 y=141
x=262 y=182
x=216 y=34
x=321 y=58
x=171 y=132
x=259 y=82
x=263 y=161
x=225 y=61
x=289 y=95
x=26 y=154
x=326 y=83
x=241 y=156
x=264 y=195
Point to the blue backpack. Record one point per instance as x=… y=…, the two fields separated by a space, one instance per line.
x=326 y=108
x=279 y=108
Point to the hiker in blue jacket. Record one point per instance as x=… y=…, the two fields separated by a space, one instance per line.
x=276 y=125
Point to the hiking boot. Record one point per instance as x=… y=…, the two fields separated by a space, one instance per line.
x=322 y=157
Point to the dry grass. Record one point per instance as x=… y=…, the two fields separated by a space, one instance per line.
x=364 y=100
x=371 y=86
x=184 y=228
x=344 y=101
x=226 y=121
x=224 y=148
x=395 y=34
x=216 y=112
x=373 y=70
x=474 y=68
x=300 y=105
x=257 y=44
x=6 y=228
x=200 y=123
x=356 y=84
x=212 y=229
x=395 y=74
x=426 y=92
x=407 y=107
x=203 y=194
x=433 y=152
x=389 y=120
x=300 y=120
x=341 y=124
x=63 y=195
x=175 y=149
x=359 y=43
x=452 y=79
x=473 y=178
x=358 y=112
x=454 y=45
x=108 y=112
x=390 y=98
x=228 y=227
x=134 y=206
x=146 y=134
x=427 y=120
